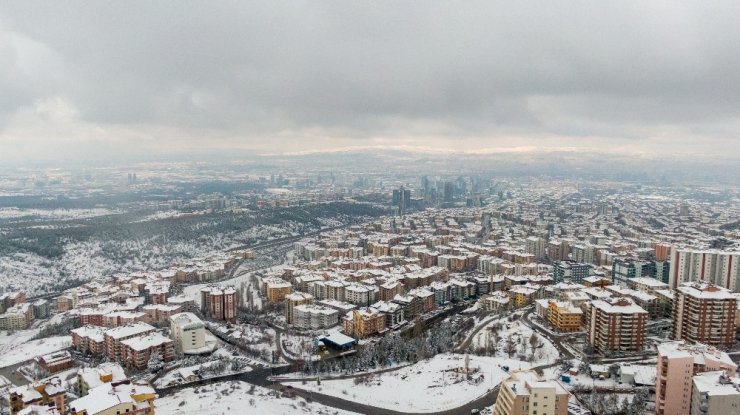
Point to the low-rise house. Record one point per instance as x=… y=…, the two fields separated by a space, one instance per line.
x=92 y=377
x=55 y=362
x=49 y=393
x=126 y=398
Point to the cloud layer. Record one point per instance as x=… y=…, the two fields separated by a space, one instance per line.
x=101 y=79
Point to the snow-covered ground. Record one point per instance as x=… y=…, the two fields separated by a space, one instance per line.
x=181 y=374
x=429 y=386
x=54 y=214
x=235 y=397
x=543 y=353
x=19 y=349
x=298 y=347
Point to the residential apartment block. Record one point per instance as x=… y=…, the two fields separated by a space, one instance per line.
x=616 y=325
x=677 y=364
x=721 y=268
x=219 y=303
x=525 y=394
x=188 y=332
x=704 y=313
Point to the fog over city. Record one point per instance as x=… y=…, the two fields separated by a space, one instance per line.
x=84 y=81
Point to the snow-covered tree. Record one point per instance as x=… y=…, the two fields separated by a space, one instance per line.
x=155 y=362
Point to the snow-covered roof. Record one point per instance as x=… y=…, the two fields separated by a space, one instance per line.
x=146 y=342
x=186 y=320
x=705 y=291
x=132 y=329
x=717 y=384
x=618 y=306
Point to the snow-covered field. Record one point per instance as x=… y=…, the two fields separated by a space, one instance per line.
x=543 y=353
x=14 y=351
x=54 y=214
x=429 y=386
x=235 y=397
x=175 y=376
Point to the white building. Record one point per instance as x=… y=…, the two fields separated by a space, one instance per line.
x=188 y=332
x=715 y=393
x=720 y=268
x=312 y=317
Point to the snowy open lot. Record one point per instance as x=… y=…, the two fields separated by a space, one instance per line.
x=495 y=339
x=428 y=386
x=13 y=351
x=237 y=397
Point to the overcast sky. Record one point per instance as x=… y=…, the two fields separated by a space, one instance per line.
x=95 y=79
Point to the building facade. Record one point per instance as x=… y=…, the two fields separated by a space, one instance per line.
x=616 y=325
x=704 y=313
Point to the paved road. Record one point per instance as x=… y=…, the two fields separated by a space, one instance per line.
x=347 y=405
x=483 y=323
x=260 y=377
x=556 y=341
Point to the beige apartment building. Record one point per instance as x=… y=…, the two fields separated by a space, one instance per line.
x=525 y=394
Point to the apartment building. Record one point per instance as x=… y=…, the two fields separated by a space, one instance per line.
x=161 y=313
x=677 y=363
x=616 y=325
x=17 y=317
x=313 y=317
x=704 y=313
x=394 y=313
x=293 y=300
x=564 y=316
x=574 y=271
x=55 y=362
x=136 y=351
x=188 y=332
x=522 y=295
x=363 y=323
x=598 y=281
x=721 y=268
x=219 y=303
x=390 y=289
x=360 y=295
x=276 y=289
x=535 y=246
x=558 y=250
x=89 y=339
x=525 y=394
x=715 y=393
x=11 y=299
x=113 y=337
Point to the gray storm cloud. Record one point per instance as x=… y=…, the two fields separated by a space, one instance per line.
x=92 y=78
